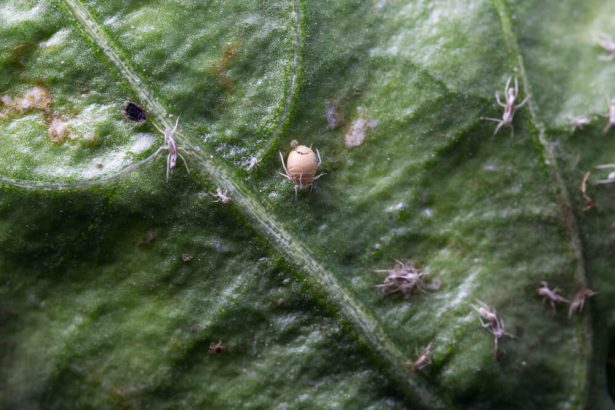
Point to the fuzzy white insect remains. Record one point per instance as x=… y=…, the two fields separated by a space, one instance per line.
x=171 y=146
x=578 y=302
x=404 y=278
x=579 y=122
x=550 y=294
x=222 y=195
x=423 y=360
x=610 y=179
x=251 y=164
x=510 y=94
x=610 y=116
x=491 y=322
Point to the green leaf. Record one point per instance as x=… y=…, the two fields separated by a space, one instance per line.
x=115 y=282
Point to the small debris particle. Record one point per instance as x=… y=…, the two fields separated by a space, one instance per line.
x=99 y=165
x=58 y=130
x=335 y=118
x=134 y=112
x=358 y=129
x=216 y=348
x=148 y=238
x=578 y=302
x=186 y=257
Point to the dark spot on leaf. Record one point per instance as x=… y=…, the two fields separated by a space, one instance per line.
x=133 y=112
x=148 y=238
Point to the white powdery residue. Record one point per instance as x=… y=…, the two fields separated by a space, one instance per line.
x=397 y=207
x=10 y=14
x=56 y=39
x=460 y=295
x=141 y=142
x=358 y=129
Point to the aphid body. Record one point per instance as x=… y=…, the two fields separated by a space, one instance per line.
x=550 y=294
x=171 y=146
x=578 y=302
x=221 y=195
x=403 y=278
x=579 y=122
x=301 y=165
x=510 y=94
x=489 y=320
x=424 y=358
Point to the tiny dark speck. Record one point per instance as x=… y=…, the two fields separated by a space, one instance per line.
x=133 y=112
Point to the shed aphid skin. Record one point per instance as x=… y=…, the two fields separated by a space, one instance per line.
x=251 y=164
x=215 y=348
x=578 y=302
x=579 y=122
x=489 y=320
x=404 y=278
x=301 y=166
x=222 y=195
x=423 y=360
x=550 y=294
x=510 y=94
x=610 y=116
x=171 y=146
x=610 y=179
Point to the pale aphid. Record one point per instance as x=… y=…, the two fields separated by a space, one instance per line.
x=510 y=94
x=301 y=166
x=221 y=195
x=579 y=121
x=424 y=358
x=552 y=295
x=489 y=320
x=171 y=146
x=578 y=302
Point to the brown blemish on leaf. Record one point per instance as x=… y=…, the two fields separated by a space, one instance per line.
x=221 y=67
x=37 y=97
x=149 y=237
x=333 y=113
x=58 y=130
x=355 y=135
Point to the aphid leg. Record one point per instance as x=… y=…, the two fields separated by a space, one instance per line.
x=522 y=103
x=318 y=176
x=512 y=131
x=516 y=86
x=607 y=128
x=184 y=160
x=497 y=98
x=168 y=166
x=296 y=190
x=283 y=164
x=318 y=156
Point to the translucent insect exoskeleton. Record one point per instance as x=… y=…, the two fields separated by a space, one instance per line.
x=301 y=166
x=552 y=295
x=171 y=147
x=578 y=302
x=510 y=95
x=215 y=348
x=579 y=122
x=424 y=358
x=489 y=320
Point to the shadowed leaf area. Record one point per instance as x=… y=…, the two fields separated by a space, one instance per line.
x=120 y=289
